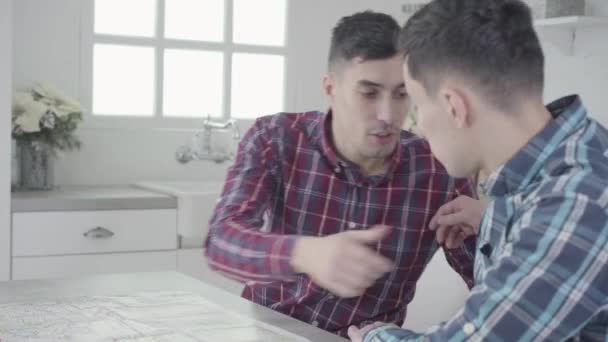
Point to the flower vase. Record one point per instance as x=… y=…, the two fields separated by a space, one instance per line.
x=36 y=166
x=15 y=164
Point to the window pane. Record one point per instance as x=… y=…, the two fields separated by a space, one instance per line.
x=125 y=17
x=257 y=85
x=123 y=80
x=193 y=83
x=250 y=28
x=195 y=19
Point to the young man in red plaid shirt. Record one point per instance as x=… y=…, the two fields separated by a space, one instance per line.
x=325 y=216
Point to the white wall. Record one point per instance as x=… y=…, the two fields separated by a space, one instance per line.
x=5 y=124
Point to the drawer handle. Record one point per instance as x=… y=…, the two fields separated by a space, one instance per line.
x=99 y=233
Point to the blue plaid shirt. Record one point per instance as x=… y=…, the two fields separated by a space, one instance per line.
x=541 y=267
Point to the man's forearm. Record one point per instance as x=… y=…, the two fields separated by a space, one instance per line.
x=246 y=254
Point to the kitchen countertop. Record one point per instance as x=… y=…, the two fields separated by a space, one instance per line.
x=72 y=198
x=130 y=284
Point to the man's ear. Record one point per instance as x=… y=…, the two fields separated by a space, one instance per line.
x=457 y=106
x=329 y=82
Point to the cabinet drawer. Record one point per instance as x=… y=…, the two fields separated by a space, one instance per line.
x=77 y=265
x=83 y=232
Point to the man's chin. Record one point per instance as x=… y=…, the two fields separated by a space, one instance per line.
x=382 y=153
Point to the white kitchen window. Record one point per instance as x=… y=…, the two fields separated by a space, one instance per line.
x=164 y=62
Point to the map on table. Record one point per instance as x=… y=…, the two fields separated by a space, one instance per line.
x=151 y=316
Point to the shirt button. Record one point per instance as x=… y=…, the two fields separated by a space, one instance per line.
x=331 y=297
x=468 y=328
x=352 y=225
x=315 y=323
x=337 y=170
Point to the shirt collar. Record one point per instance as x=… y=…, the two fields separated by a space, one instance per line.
x=517 y=173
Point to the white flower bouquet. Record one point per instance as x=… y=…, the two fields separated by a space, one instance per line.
x=42 y=116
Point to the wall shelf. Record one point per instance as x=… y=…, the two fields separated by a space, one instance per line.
x=571 y=25
x=574 y=22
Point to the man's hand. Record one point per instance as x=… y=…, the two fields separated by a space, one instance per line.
x=356 y=334
x=458 y=219
x=344 y=263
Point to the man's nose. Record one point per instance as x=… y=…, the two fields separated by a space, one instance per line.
x=386 y=112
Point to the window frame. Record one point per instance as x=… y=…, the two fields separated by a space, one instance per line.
x=89 y=38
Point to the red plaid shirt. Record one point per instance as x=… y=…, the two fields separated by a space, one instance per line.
x=287 y=181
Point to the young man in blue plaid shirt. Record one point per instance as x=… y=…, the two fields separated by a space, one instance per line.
x=474 y=69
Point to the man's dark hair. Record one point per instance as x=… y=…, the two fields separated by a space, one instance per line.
x=491 y=43
x=368 y=35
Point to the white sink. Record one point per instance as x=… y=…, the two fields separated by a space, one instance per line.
x=195 y=204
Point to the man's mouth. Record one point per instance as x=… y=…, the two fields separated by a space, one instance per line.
x=382 y=134
x=382 y=137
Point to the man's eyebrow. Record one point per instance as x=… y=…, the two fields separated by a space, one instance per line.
x=371 y=84
x=368 y=83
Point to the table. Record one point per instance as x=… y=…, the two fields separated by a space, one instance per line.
x=57 y=290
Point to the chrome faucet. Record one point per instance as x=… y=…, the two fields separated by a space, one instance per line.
x=185 y=153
